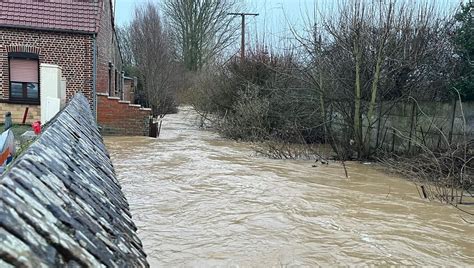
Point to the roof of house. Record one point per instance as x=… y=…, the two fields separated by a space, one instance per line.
x=61 y=204
x=61 y=15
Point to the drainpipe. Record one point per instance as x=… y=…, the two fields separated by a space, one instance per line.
x=122 y=83
x=94 y=76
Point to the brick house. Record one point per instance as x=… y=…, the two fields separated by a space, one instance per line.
x=79 y=37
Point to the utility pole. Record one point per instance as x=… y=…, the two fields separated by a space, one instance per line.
x=242 y=44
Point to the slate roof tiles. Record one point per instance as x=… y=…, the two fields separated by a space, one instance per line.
x=61 y=204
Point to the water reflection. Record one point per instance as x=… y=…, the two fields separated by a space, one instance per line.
x=200 y=200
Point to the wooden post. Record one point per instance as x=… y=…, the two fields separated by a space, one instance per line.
x=453 y=117
x=153 y=128
x=8 y=121
x=159 y=125
x=242 y=39
x=378 y=125
x=393 y=140
x=439 y=137
x=25 y=115
x=412 y=123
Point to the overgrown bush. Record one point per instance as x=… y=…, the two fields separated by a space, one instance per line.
x=249 y=117
x=261 y=98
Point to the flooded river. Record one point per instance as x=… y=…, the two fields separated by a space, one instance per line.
x=200 y=200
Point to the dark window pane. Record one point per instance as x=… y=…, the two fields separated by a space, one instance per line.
x=32 y=91
x=16 y=90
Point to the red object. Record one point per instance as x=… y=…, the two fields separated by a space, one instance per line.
x=36 y=127
x=66 y=15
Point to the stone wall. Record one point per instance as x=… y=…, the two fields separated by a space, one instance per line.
x=18 y=110
x=117 y=117
x=61 y=204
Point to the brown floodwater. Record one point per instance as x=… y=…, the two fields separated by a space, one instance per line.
x=200 y=200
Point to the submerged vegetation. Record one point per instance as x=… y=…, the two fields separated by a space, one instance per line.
x=388 y=80
x=365 y=82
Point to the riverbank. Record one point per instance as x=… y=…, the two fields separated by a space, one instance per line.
x=443 y=175
x=201 y=200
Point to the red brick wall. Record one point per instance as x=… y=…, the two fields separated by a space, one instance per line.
x=119 y=118
x=71 y=51
x=129 y=90
x=107 y=51
x=74 y=53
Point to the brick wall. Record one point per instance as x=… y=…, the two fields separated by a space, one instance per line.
x=71 y=51
x=107 y=51
x=114 y=116
x=129 y=90
x=118 y=117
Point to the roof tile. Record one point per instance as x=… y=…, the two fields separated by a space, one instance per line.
x=74 y=15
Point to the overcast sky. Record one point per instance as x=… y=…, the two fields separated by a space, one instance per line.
x=275 y=15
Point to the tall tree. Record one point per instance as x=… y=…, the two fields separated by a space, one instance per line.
x=464 y=42
x=152 y=56
x=126 y=49
x=374 y=51
x=125 y=44
x=201 y=29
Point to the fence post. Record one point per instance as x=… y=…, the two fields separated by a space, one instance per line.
x=393 y=140
x=439 y=138
x=453 y=117
x=25 y=114
x=378 y=125
x=8 y=121
x=412 y=123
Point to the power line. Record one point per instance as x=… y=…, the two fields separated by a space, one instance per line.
x=242 y=44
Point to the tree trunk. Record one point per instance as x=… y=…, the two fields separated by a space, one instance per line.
x=357 y=100
x=373 y=99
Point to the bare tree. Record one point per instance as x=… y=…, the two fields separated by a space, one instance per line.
x=151 y=49
x=125 y=44
x=201 y=29
x=362 y=62
x=374 y=51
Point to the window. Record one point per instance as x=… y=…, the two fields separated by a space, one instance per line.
x=110 y=78
x=24 y=78
x=116 y=83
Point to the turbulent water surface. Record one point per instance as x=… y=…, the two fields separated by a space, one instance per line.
x=200 y=200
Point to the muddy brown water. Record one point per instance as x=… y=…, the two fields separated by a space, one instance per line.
x=200 y=200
